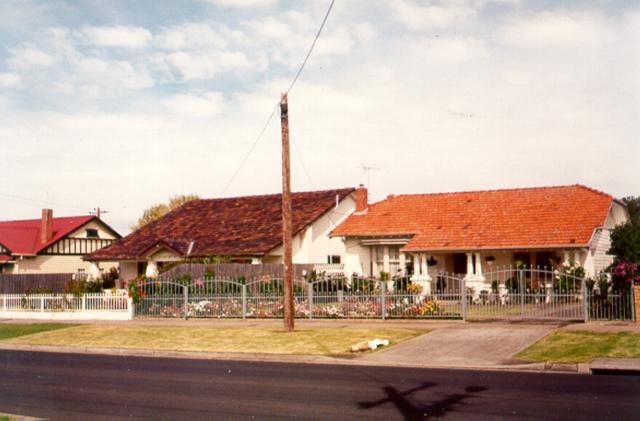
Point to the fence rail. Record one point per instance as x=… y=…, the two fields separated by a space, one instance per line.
x=507 y=294
x=99 y=306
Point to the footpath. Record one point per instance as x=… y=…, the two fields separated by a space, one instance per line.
x=449 y=344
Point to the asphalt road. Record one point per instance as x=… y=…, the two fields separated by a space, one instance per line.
x=89 y=387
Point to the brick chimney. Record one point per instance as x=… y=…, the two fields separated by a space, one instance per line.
x=46 y=226
x=362 y=199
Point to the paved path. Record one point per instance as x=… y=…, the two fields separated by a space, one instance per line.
x=470 y=345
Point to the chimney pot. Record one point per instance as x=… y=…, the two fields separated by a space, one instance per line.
x=362 y=199
x=46 y=226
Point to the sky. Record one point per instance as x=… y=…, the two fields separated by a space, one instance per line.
x=123 y=104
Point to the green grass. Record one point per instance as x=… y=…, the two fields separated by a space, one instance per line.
x=307 y=341
x=8 y=331
x=581 y=346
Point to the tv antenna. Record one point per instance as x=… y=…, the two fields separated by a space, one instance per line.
x=368 y=169
x=97 y=212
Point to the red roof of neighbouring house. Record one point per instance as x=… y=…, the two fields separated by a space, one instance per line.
x=237 y=226
x=23 y=237
x=511 y=218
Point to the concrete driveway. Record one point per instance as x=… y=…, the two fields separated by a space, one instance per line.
x=470 y=345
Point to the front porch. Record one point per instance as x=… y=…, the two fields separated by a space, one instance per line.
x=472 y=265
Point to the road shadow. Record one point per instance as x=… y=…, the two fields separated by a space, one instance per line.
x=410 y=411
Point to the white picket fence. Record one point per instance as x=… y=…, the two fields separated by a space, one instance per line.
x=95 y=306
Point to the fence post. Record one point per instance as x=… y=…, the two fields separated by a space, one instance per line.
x=521 y=284
x=84 y=302
x=42 y=303
x=4 y=302
x=635 y=295
x=463 y=282
x=310 y=293
x=244 y=301
x=585 y=299
x=131 y=308
x=383 y=298
x=185 y=305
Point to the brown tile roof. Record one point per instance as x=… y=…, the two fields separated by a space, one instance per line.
x=513 y=218
x=237 y=226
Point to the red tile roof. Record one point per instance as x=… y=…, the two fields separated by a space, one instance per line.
x=513 y=218
x=23 y=237
x=238 y=226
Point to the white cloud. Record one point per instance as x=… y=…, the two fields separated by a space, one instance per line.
x=114 y=73
x=417 y=16
x=10 y=80
x=191 y=105
x=270 y=28
x=189 y=36
x=202 y=66
x=243 y=4
x=556 y=29
x=449 y=49
x=116 y=36
x=28 y=57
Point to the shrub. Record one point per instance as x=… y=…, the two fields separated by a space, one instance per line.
x=109 y=279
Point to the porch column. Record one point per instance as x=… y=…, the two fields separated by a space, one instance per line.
x=478 y=265
x=567 y=257
x=403 y=264
x=152 y=269
x=385 y=260
x=469 y=265
x=374 y=262
x=425 y=266
x=416 y=265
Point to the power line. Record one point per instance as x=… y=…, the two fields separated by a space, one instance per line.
x=253 y=146
x=313 y=44
x=304 y=167
x=293 y=82
x=42 y=202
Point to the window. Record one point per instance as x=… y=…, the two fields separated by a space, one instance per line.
x=92 y=233
x=333 y=259
x=394 y=259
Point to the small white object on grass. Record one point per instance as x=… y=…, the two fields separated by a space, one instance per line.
x=372 y=344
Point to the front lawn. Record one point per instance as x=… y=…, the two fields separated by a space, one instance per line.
x=309 y=341
x=581 y=346
x=14 y=330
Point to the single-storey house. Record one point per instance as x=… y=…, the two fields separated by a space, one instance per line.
x=241 y=229
x=468 y=233
x=53 y=245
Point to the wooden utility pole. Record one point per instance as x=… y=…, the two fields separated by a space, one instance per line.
x=286 y=217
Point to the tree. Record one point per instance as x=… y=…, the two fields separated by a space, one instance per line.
x=633 y=206
x=625 y=243
x=156 y=211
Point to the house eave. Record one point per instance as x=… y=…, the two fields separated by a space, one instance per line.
x=493 y=248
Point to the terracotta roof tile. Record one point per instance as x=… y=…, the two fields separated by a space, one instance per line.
x=511 y=218
x=237 y=226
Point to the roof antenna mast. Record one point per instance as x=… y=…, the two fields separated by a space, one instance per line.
x=367 y=169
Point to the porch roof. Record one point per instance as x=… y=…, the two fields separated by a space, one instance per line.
x=561 y=216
